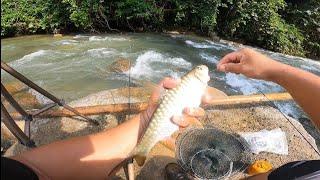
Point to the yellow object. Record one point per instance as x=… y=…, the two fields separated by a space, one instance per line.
x=57 y=35
x=260 y=166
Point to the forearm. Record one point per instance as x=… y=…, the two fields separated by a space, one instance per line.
x=303 y=86
x=87 y=157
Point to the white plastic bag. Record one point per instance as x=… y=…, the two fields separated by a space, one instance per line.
x=273 y=141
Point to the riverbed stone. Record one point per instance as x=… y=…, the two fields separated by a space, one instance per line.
x=120 y=65
x=21 y=93
x=231 y=118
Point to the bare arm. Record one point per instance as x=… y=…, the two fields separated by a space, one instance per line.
x=94 y=156
x=87 y=157
x=303 y=86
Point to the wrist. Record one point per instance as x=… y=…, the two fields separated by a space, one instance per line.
x=277 y=74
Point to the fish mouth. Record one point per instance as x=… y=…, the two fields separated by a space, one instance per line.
x=202 y=74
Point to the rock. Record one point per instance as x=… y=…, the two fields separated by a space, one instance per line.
x=213 y=36
x=232 y=118
x=57 y=35
x=25 y=99
x=173 y=32
x=140 y=29
x=7 y=138
x=15 y=87
x=120 y=65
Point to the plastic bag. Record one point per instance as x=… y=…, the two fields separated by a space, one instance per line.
x=273 y=141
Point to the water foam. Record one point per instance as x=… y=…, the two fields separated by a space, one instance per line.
x=67 y=42
x=80 y=36
x=222 y=46
x=250 y=86
x=101 y=52
x=200 y=45
x=210 y=59
x=289 y=109
x=29 y=57
x=42 y=58
x=310 y=68
x=147 y=65
x=99 y=38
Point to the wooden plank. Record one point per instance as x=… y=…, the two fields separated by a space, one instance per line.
x=137 y=107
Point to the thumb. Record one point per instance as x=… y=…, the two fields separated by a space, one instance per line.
x=232 y=67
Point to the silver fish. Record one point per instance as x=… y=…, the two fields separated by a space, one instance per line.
x=187 y=94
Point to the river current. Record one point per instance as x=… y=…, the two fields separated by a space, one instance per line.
x=74 y=66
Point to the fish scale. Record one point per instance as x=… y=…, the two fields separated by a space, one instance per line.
x=187 y=94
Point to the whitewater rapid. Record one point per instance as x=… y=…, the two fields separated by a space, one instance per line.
x=77 y=66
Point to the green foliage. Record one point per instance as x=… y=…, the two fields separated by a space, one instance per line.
x=305 y=15
x=19 y=16
x=31 y=16
x=196 y=13
x=289 y=26
x=258 y=22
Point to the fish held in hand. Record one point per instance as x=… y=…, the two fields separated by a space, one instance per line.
x=188 y=93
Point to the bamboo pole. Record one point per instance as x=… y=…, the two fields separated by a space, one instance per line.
x=140 y=106
x=242 y=99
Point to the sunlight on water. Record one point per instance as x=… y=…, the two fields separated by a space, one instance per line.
x=76 y=66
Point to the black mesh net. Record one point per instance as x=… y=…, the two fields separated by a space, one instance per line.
x=211 y=153
x=211 y=164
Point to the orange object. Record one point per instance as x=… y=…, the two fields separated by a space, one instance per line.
x=260 y=166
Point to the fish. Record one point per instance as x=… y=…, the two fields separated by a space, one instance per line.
x=188 y=93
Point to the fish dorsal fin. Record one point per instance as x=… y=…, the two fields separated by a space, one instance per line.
x=140 y=159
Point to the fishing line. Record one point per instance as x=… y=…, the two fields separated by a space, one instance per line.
x=273 y=104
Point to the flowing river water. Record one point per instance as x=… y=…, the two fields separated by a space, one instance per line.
x=74 y=66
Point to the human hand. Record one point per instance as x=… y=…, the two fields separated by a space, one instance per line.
x=250 y=63
x=188 y=113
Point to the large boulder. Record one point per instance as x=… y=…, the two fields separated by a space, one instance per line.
x=230 y=118
x=22 y=94
x=121 y=65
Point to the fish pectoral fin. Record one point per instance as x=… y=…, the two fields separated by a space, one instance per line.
x=140 y=159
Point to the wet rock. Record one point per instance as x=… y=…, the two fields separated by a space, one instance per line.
x=120 y=65
x=15 y=87
x=7 y=138
x=234 y=119
x=213 y=36
x=173 y=32
x=22 y=95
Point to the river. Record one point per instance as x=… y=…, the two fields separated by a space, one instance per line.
x=76 y=65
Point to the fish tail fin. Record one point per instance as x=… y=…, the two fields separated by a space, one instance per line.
x=140 y=159
x=127 y=164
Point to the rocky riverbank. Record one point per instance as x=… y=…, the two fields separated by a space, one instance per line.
x=234 y=119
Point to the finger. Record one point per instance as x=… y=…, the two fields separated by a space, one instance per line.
x=180 y=121
x=195 y=112
x=233 y=57
x=233 y=68
x=168 y=83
